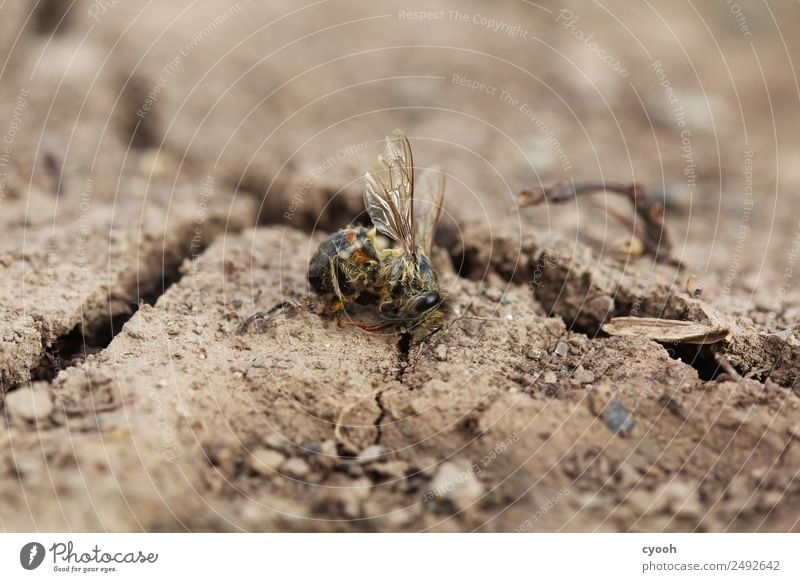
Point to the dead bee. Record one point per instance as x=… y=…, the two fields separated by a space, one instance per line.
x=402 y=280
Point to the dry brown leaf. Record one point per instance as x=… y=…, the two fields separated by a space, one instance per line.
x=668 y=330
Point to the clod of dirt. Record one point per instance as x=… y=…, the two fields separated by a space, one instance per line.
x=763 y=355
x=30 y=403
x=582 y=376
x=454 y=487
x=675 y=498
x=20 y=349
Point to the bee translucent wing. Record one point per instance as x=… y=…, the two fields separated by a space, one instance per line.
x=428 y=207
x=389 y=195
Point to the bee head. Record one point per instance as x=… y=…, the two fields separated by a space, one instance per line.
x=427 y=301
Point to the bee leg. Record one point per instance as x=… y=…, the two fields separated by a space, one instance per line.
x=336 y=308
x=337 y=304
x=283 y=310
x=430 y=333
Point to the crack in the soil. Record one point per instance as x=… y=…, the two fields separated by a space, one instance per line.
x=567 y=291
x=329 y=209
x=86 y=338
x=466 y=263
x=71 y=349
x=324 y=209
x=403 y=348
x=699 y=357
x=379 y=418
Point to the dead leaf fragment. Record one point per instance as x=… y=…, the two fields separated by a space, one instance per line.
x=669 y=331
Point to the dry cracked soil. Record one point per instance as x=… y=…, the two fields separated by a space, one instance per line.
x=168 y=169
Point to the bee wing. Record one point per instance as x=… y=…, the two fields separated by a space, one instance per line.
x=389 y=195
x=428 y=207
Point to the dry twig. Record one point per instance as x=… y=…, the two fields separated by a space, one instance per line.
x=652 y=234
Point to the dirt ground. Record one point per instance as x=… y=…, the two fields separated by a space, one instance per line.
x=168 y=169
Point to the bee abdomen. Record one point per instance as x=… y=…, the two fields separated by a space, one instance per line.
x=319 y=268
x=342 y=256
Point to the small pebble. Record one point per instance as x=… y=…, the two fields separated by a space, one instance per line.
x=550 y=377
x=326 y=457
x=312 y=448
x=603 y=404
x=441 y=352
x=682 y=499
x=266 y=462
x=493 y=293
x=677 y=498
x=277 y=442
x=533 y=354
x=350 y=500
x=296 y=467
x=354 y=470
x=223 y=455
x=328 y=448
x=647 y=502
x=602 y=305
x=562 y=350
x=455 y=486
x=360 y=489
x=618 y=419
x=371 y=454
x=29 y=403
x=509 y=297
